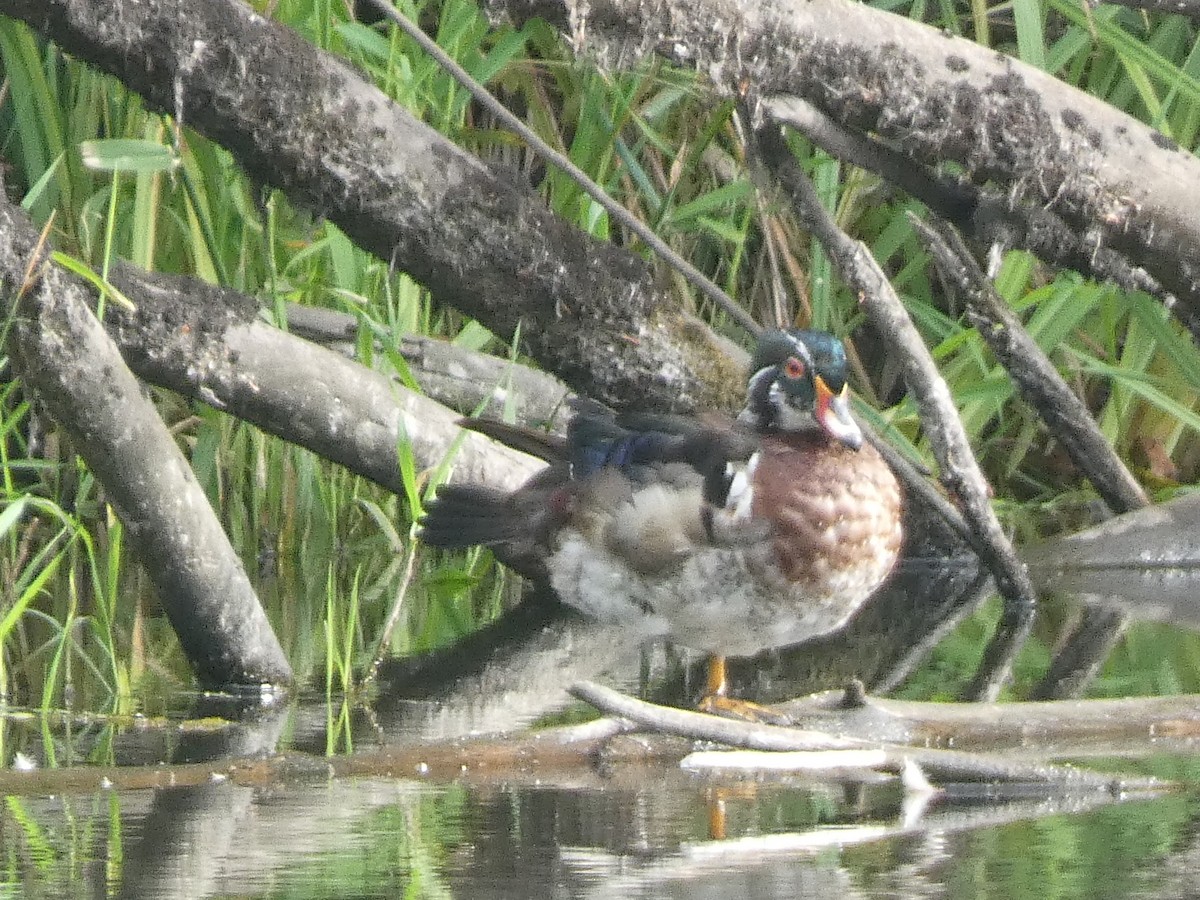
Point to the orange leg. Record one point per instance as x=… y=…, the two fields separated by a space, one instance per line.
x=717 y=701
x=715 y=801
x=717 y=685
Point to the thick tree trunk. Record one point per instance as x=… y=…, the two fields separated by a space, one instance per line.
x=937 y=99
x=304 y=121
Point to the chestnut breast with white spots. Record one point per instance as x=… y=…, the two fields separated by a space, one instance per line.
x=835 y=513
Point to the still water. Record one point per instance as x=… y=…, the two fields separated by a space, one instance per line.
x=595 y=830
x=307 y=814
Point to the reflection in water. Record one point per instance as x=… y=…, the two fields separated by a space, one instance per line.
x=629 y=832
x=1146 y=563
x=646 y=834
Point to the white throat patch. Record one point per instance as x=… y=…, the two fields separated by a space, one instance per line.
x=787 y=417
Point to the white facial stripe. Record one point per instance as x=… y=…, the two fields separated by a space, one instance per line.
x=758 y=378
x=801 y=351
x=751 y=414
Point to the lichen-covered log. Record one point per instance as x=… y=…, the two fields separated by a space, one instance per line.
x=936 y=98
x=209 y=344
x=465 y=380
x=62 y=351
x=303 y=121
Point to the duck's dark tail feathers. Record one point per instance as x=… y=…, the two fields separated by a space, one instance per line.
x=541 y=444
x=467 y=515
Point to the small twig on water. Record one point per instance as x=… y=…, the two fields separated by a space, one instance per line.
x=704 y=727
x=939 y=765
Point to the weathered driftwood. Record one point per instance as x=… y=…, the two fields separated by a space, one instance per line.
x=988 y=216
x=1144 y=565
x=1048 y=728
x=918 y=732
x=302 y=120
x=470 y=383
x=938 y=763
x=209 y=343
x=63 y=352
x=935 y=97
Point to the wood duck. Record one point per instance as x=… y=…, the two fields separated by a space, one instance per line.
x=731 y=538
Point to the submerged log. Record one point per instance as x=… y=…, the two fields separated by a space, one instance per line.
x=1021 y=740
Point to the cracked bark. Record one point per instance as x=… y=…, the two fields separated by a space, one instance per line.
x=303 y=121
x=986 y=215
x=937 y=99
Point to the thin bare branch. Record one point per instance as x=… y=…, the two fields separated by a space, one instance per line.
x=705 y=727
x=697 y=278
x=960 y=471
x=940 y=765
x=1067 y=417
x=987 y=216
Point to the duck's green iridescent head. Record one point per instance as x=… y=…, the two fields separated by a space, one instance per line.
x=798 y=384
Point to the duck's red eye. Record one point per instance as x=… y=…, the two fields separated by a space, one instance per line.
x=793 y=368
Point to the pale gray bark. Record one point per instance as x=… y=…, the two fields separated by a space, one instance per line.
x=303 y=121
x=473 y=384
x=308 y=395
x=934 y=97
x=63 y=352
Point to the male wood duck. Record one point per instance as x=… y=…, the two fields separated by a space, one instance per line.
x=731 y=538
